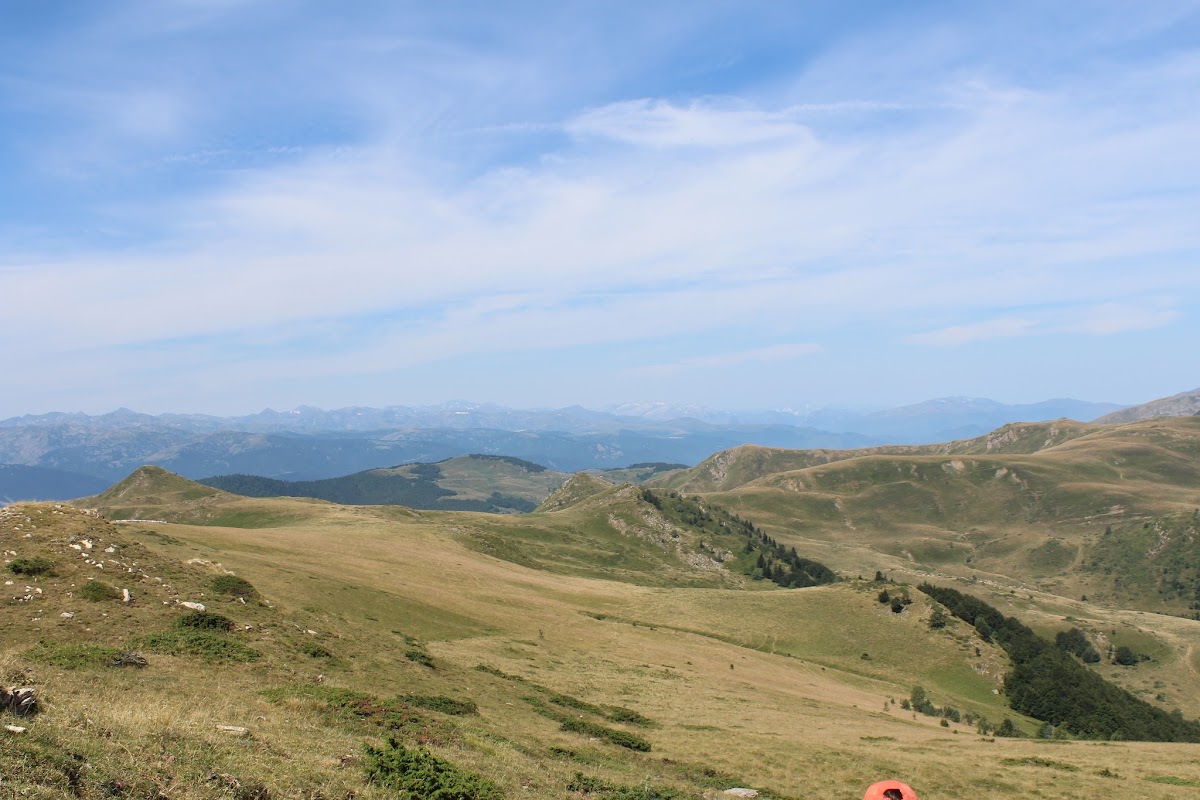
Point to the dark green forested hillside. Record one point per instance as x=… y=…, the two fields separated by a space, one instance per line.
x=1048 y=683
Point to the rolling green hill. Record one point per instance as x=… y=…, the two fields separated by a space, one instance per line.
x=498 y=484
x=1029 y=502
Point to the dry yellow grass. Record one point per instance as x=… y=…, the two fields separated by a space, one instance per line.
x=768 y=688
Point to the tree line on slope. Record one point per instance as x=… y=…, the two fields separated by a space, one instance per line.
x=760 y=556
x=1049 y=684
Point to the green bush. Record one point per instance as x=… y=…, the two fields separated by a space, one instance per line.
x=204 y=644
x=204 y=621
x=98 y=591
x=233 y=585
x=445 y=705
x=620 y=738
x=30 y=566
x=1125 y=657
x=419 y=656
x=567 y=701
x=628 y=715
x=420 y=775
x=313 y=650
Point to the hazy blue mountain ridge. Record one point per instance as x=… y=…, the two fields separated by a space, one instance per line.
x=313 y=444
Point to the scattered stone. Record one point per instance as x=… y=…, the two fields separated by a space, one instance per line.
x=738 y=791
x=236 y=730
x=67 y=615
x=193 y=606
x=14 y=729
x=125 y=596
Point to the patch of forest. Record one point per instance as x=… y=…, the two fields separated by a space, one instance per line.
x=759 y=555
x=1048 y=681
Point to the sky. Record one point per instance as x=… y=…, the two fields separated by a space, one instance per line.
x=225 y=205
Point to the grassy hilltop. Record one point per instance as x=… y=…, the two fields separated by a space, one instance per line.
x=613 y=644
x=1062 y=507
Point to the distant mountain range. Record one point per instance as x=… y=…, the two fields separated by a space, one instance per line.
x=308 y=444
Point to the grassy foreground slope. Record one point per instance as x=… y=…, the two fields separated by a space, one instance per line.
x=367 y=622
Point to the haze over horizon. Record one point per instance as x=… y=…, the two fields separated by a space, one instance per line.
x=221 y=207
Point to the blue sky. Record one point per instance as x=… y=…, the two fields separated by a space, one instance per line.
x=223 y=205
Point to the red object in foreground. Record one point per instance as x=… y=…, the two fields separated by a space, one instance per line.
x=890 y=790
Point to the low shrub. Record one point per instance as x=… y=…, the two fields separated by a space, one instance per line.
x=628 y=715
x=313 y=650
x=444 y=705
x=620 y=738
x=204 y=644
x=420 y=657
x=418 y=774
x=98 y=591
x=233 y=585
x=204 y=621
x=566 y=701
x=30 y=566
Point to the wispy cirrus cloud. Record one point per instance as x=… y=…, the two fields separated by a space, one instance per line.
x=987 y=330
x=1106 y=319
x=717 y=361
x=365 y=192
x=657 y=123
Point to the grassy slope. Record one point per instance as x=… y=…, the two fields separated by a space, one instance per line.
x=1028 y=502
x=768 y=688
x=1025 y=509
x=730 y=469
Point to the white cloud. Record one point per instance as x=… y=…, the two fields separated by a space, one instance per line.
x=1102 y=320
x=656 y=123
x=717 y=361
x=1113 y=318
x=975 y=332
x=1000 y=210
